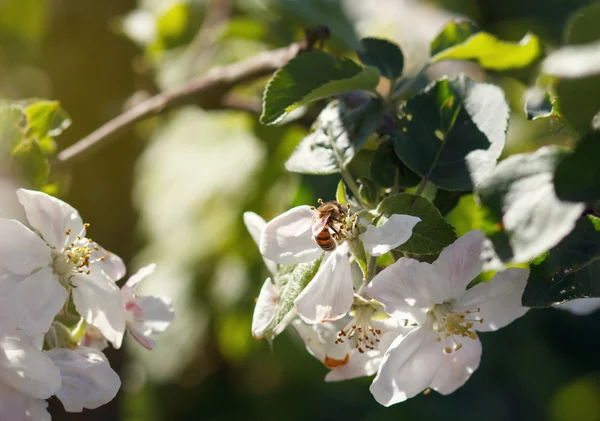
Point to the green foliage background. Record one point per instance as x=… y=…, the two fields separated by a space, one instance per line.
x=173 y=191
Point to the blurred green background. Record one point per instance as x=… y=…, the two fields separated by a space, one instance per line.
x=174 y=189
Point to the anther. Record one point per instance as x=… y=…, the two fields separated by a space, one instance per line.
x=320 y=201
x=457 y=347
x=447 y=350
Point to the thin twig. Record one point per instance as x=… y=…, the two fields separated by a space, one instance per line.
x=207 y=91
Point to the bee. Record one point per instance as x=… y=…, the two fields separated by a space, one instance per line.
x=328 y=214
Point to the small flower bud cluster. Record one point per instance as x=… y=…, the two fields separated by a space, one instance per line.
x=61 y=307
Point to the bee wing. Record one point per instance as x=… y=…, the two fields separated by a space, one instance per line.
x=304 y=227
x=320 y=225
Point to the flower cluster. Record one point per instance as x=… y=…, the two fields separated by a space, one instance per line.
x=60 y=307
x=413 y=324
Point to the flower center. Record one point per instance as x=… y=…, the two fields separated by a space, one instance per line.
x=361 y=330
x=75 y=257
x=452 y=327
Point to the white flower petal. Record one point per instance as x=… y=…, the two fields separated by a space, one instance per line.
x=142 y=273
x=99 y=301
x=408 y=366
x=459 y=264
x=157 y=314
x=265 y=309
x=255 y=225
x=329 y=295
x=21 y=250
x=88 y=381
x=279 y=240
x=141 y=337
x=36 y=300
x=27 y=369
x=51 y=217
x=580 y=306
x=359 y=365
x=15 y=406
x=344 y=361
x=499 y=300
x=112 y=264
x=457 y=367
x=37 y=410
x=407 y=289
x=395 y=231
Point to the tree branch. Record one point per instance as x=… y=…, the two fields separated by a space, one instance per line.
x=207 y=91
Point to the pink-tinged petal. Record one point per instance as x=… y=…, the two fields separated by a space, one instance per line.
x=459 y=264
x=36 y=300
x=99 y=301
x=157 y=314
x=141 y=337
x=93 y=338
x=265 y=309
x=88 y=381
x=256 y=225
x=142 y=273
x=21 y=250
x=580 y=306
x=457 y=367
x=498 y=300
x=27 y=369
x=51 y=217
x=408 y=367
x=395 y=231
x=15 y=406
x=111 y=264
x=330 y=294
x=283 y=241
x=407 y=289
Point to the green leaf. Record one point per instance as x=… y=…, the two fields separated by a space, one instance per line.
x=522 y=215
x=310 y=13
x=12 y=119
x=46 y=119
x=491 y=53
x=455 y=32
x=570 y=270
x=466 y=216
x=430 y=235
x=453 y=132
x=311 y=76
x=582 y=26
x=292 y=282
x=538 y=104
x=387 y=170
x=340 y=193
x=579 y=99
x=32 y=163
x=382 y=54
x=577 y=177
x=368 y=192
x=335 y=137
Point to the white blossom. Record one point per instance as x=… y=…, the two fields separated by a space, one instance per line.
x=60 y=258
x=439 y=348
x=287 y=239
x=145 y=315
x=88 y=381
